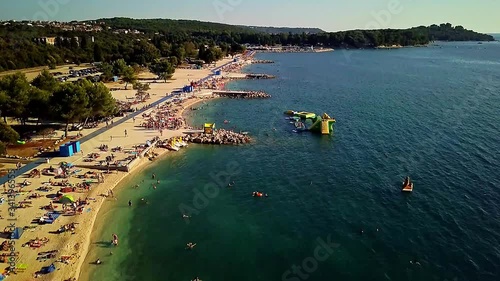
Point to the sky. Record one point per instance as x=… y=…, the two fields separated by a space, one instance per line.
x=329 y=15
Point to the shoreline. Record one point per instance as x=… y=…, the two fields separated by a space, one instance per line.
x=162 y=154
x=186 y=108
x=76 y=245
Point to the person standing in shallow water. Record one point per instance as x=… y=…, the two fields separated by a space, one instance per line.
x=130 y=203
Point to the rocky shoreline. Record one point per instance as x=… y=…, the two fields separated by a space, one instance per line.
x=220 y=136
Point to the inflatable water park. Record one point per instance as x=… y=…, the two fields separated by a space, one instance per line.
x=320 y=124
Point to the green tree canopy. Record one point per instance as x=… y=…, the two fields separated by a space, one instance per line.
x=15 y=95
x=119 y=67
x=45 y=81
x=69 y=103
x=107 y=71
x=98 y=56
x=38 y=104
x=100 y=101
x=7 y=134
x=128 y=75
x=163 y=68
x=145 y=52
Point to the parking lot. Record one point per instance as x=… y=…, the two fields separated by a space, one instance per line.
x=91 y=73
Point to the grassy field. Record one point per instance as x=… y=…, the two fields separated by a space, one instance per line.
x=31 y=73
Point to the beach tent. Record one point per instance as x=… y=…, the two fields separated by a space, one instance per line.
x=17 y=233
x=67 y=199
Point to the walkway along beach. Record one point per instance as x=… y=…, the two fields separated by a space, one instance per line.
x=58 y=200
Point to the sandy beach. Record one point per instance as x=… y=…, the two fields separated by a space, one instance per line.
x=40 y=245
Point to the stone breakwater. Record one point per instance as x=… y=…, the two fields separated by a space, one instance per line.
x=259 y=76
x=242 y=94
x=262 y=61
x=219 y=136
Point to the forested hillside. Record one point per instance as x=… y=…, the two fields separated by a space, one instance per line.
x=150 y=39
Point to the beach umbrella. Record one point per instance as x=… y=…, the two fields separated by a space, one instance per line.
x=67 y=199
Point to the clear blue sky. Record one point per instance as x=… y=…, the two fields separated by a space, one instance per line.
x=329 y=15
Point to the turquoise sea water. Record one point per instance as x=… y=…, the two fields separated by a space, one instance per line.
x=430 y=113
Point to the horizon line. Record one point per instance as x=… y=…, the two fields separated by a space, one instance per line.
x=247 y=25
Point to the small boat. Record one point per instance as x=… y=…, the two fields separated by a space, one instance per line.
x=407 y=185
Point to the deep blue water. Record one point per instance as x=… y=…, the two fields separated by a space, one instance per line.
x=430 y=113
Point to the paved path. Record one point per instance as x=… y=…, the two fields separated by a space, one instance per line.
x=39 y=162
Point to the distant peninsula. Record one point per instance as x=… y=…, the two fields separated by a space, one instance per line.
x=289 y=30
x=26 y=44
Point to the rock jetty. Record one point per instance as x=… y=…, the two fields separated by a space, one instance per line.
x=262 y=61
x=259 y=76
x=242 y=94
x=220 y=136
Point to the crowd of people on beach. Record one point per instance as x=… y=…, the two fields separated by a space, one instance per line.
x=164 y=117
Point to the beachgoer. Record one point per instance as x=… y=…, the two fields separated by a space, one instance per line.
x=130 y=203
x=153 y=176
x=98 y=261
x=125 y=132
